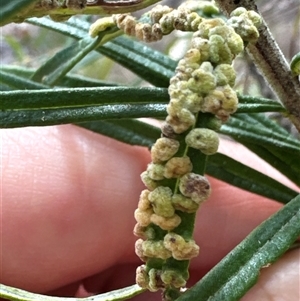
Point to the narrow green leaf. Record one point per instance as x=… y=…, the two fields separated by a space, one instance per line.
x=70 y=80
x=277 y=146
x=59 y=59
x=267 y=123
x=287 y=165
x=65 y=60
x=16 y=294
x=250 y=104
x=81 y=97
x=65 y=28
x=140 y=59
x=239 y=270
x=11 y=8
x=130 y=131
x=259 y=108
x=235 y=173
x=18 y=82
x=21 y=118
x=220 y=166
x=147 y=63
x=240 y=130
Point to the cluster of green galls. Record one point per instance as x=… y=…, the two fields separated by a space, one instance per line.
x=202 y=82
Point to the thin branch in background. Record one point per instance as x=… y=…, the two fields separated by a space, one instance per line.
x=270 y=61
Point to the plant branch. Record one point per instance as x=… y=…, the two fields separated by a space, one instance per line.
x=268 y=57
x=59 y=9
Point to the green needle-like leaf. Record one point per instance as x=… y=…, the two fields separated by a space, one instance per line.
x=239 y=270
x=12 y=8
x=268 y=140
x=71 y=80
x=16 y=294
x=279 y=161
x=81 y=97
x=149 y=64
x=68 y=58
x=18 y=82
x=231 y=171
x=130 y=131
x=219 y=166
x=239 y=129
x=49 y=107
x=140 y=59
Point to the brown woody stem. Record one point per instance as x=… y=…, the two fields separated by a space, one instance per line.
x=269 y=59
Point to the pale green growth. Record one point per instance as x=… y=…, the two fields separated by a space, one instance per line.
x=182 y=121
x=177 y=166
x=186 y=99
x=155 y=282
x=193 y=21
x=148 y=33
x=142 y=278
x=161 y=201
x=195 y=187
x=166 y=223
x=175 y=105
x=126 y=22
x=202 y=81
x=181 y=19
x=143 y=217
x=156 y=171
x=194 y=102
x=158 y=11
x=202 y=45
x=155 y=249
x=101 y=25
x=173 y=278
x=222 y=102
x=148 y=182
x=206 y=140
x=139 y=231
x=181 y=249
x=245 y=24
x=252 y=15
x=184 y=204
x=184 y=70
x=233 y=41
x=139 y=251
x=166 y=23
x=295 y=64
x=143 y=31
x=219 y=52
x=150 y=280
x=144 y=232
x=206 y=6
x=164 y=149
x=179 y=86
x=192 y=56
x=144 y=202
x=207 y=25
x=225 y=75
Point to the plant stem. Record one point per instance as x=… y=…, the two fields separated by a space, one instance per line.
x=59 y=9
x=269 y=59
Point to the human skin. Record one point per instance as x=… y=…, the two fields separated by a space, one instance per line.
x=68 y=197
